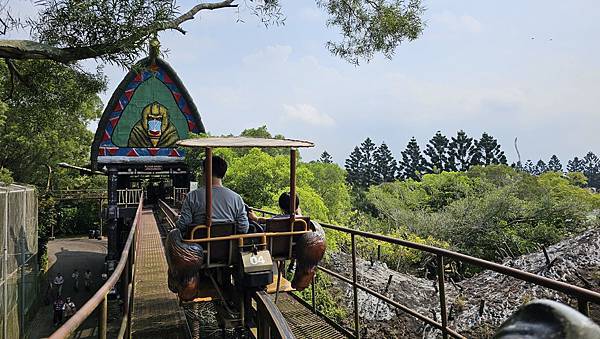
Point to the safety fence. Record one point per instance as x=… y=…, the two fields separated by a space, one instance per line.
x=179 y=195
x=124 y=272
x=583 y=296
x=19 y=273
x=129 y=197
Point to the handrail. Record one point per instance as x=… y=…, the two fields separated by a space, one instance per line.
x=273 y=326
x=513 y=272
x=100 y=296
x=583 y=296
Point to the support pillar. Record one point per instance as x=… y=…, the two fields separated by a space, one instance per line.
x=112 y=214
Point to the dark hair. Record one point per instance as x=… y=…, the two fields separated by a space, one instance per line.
x=284 y=202
x=219 y=166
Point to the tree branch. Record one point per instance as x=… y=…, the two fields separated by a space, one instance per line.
x=189 y=15
x=27 y=49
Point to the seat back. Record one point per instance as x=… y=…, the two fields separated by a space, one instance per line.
x=218 y=253
x=282 y=248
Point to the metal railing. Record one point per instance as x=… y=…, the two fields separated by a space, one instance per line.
x=125 y=271
x=583 y=296
x=179 y=195
x=129 y=197
x=86 y=194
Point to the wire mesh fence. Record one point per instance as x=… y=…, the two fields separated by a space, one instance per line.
x=19 y=270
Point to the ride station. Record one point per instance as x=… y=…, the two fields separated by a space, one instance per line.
x=135 y=144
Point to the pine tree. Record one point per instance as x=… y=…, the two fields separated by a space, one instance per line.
x=437 y=151
x=325 y=158
x=385 y=164
x=576 y=165
x=541 y=167
x=353 y=168
x=554 y=164
x=530 y=168
x=459 y=151
x=489 y=151
x=592 y=169
x=368 y=166
x=412 y=161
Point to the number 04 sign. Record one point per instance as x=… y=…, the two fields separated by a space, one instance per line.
x=261 y=261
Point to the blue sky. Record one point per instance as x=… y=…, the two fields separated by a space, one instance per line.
x=526 y=69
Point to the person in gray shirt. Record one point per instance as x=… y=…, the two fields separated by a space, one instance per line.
x=227 y=206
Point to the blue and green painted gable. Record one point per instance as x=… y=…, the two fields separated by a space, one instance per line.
x=148 y=82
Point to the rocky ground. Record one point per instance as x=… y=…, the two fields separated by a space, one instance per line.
x=575 y=261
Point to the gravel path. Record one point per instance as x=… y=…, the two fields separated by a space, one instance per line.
x=64 y=255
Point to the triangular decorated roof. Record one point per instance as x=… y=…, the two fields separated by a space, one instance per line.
x=147 y=114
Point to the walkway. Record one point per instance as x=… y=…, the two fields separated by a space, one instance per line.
x=64 y=255
x=156 y=312
x=303 y=322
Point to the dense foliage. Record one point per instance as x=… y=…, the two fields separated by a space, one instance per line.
x=369 y=165
x=43 y=121
x=490 y=212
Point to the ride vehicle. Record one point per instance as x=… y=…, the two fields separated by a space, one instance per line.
x=213 y=263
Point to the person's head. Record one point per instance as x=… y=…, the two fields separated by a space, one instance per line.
x=58 y=274
x=75 y=270
x=284 y=202
x=68 y=299
x=219 y=167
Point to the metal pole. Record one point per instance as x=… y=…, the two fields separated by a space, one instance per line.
x=101 y=219
x=22 y=238
x=5 y=264
x=314 y=304
x=208 y=189
x=102 y=319
x=292 y=184
x=113 y=213
x=440 y=274
x=355 y=289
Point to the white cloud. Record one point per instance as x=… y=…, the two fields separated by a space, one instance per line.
x=307 y=114
x=457 y=23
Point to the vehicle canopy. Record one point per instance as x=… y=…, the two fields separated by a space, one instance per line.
x=209 y=143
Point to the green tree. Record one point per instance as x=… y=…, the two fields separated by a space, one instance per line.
x=261 y=132
x=592 y=169
x=325 y=158
x=368 y=166
x=328 y=181
x=554 y=164
x=413 y=163
x=353 y=168
x=576 y=165
x=437 y=151
x=541 y=167
x=488 y=151
x=385 y=164
x=529 y=167
x=459 y=151
x=46 y=119
x=577 y=179
x=5 y=176
x=361 y=166
x=117 y=31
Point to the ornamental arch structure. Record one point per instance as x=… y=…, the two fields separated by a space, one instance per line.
x=135 y=140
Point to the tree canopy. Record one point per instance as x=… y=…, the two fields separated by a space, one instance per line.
x=117 y=31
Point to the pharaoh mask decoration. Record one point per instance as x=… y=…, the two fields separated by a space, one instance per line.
x=154 y=128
